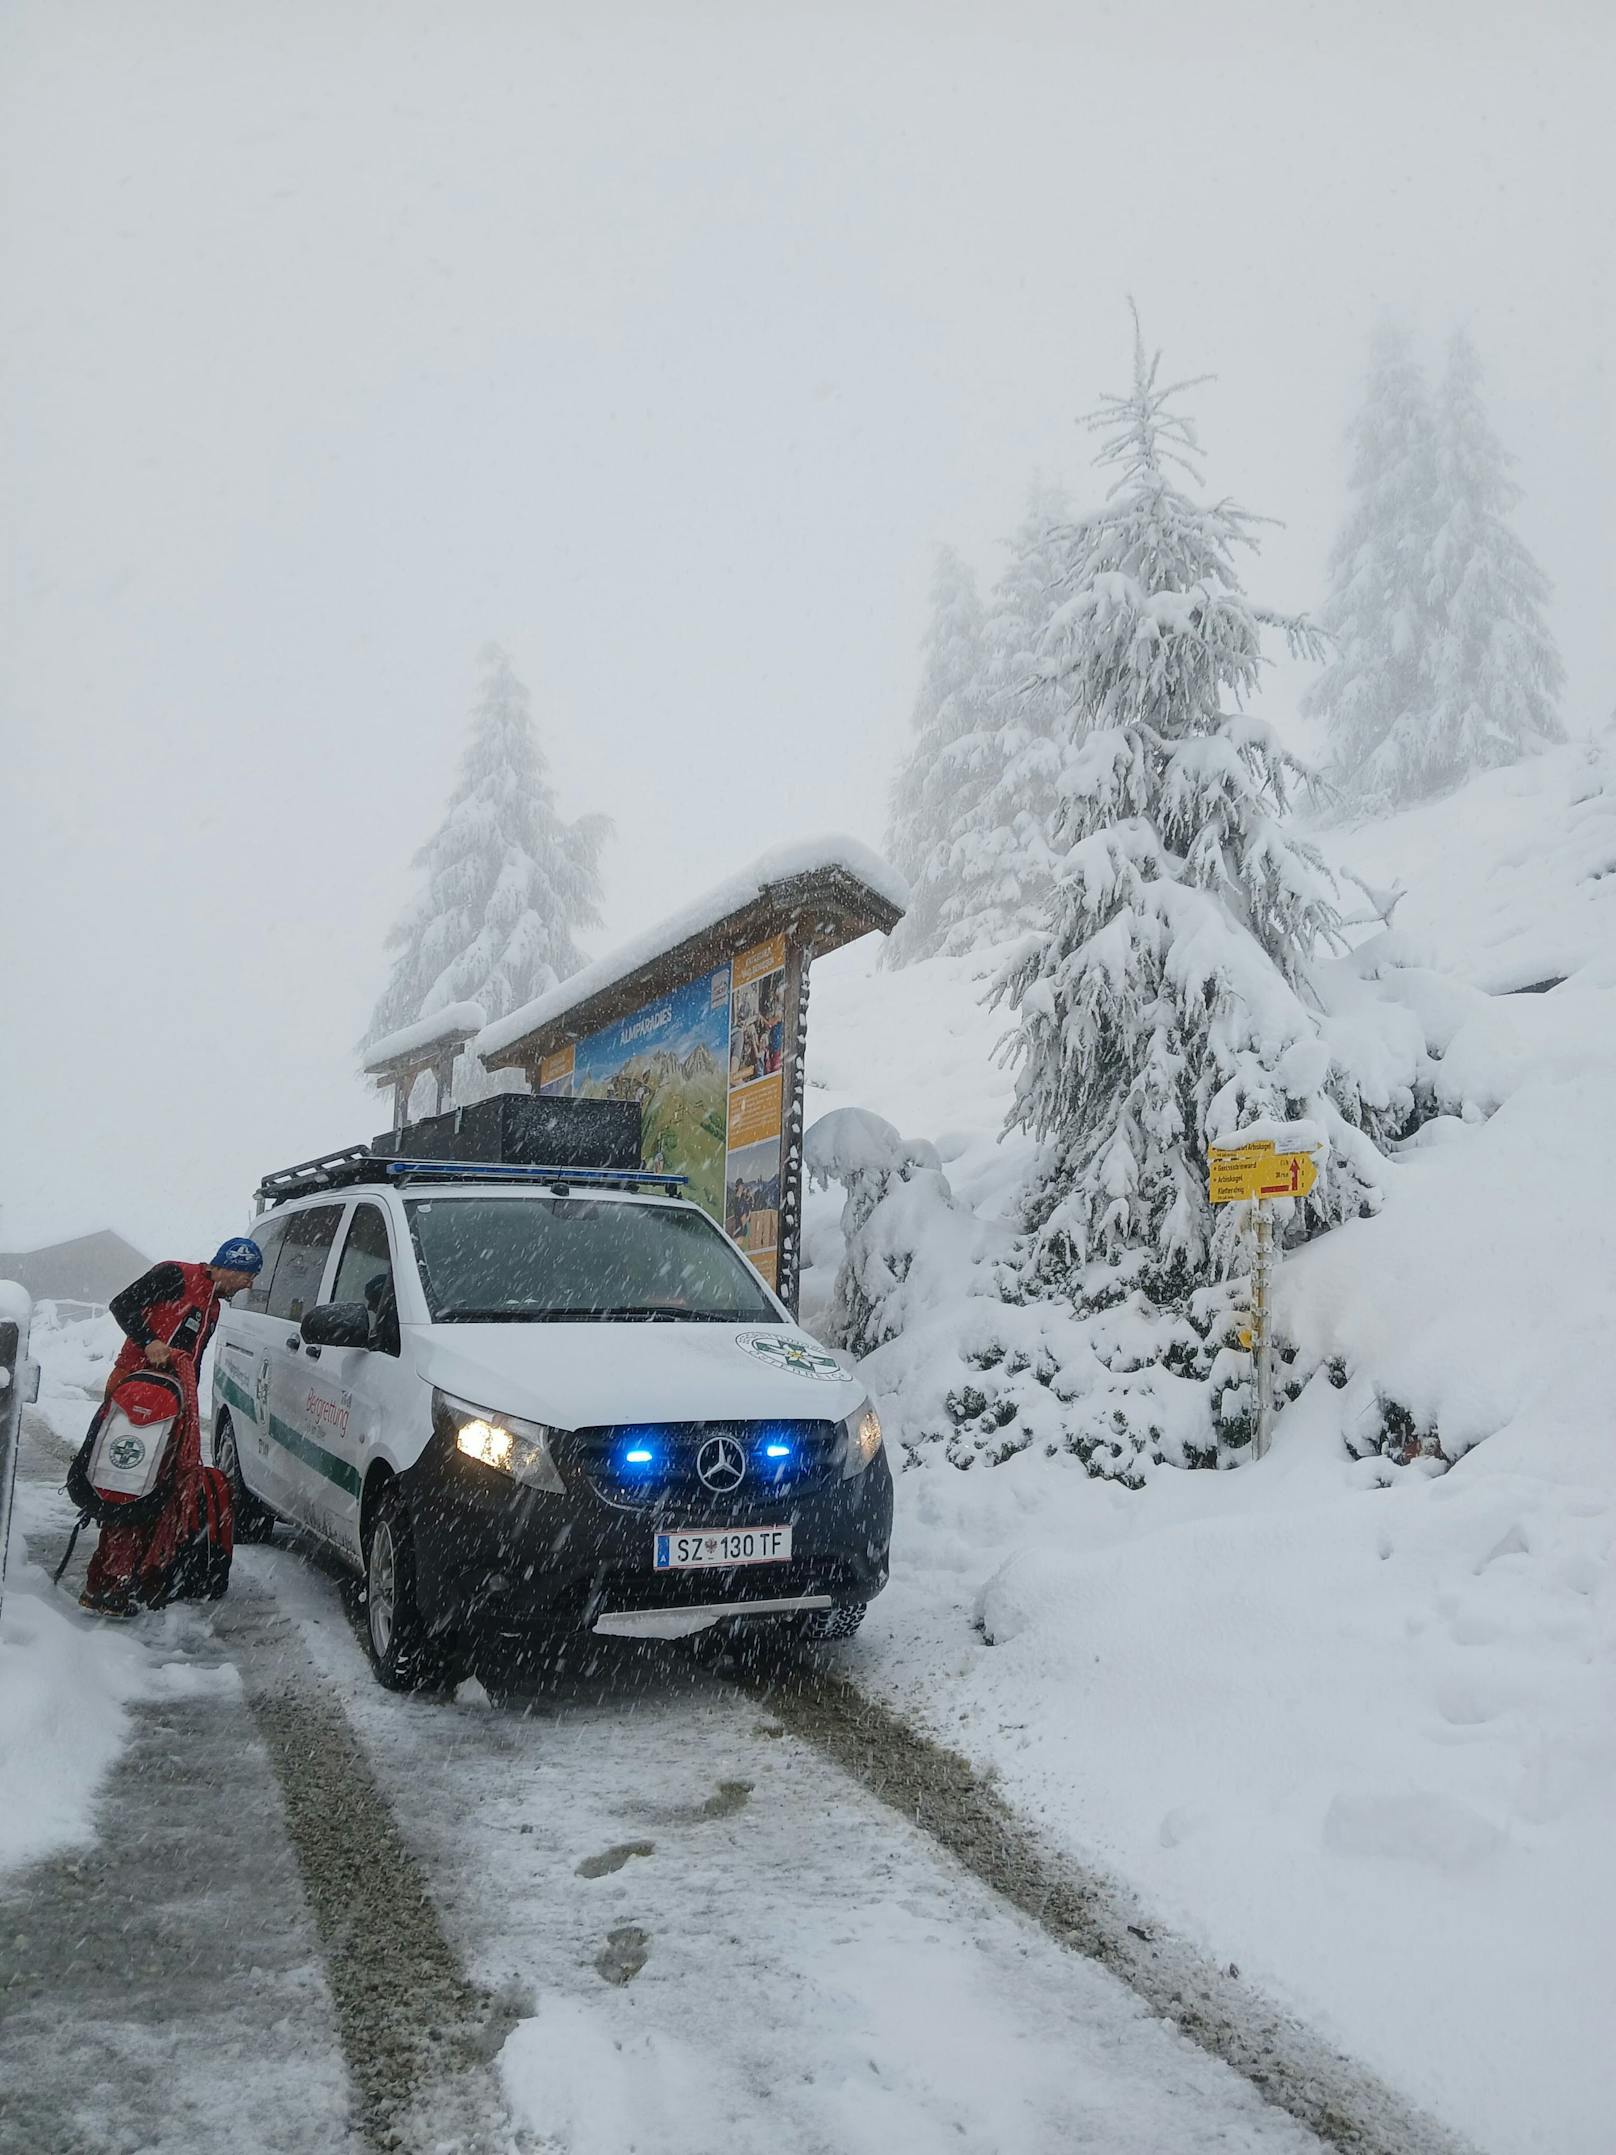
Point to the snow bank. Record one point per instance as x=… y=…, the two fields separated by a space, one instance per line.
x=64 y=1688
x=75 y=1358
x=778 y=866
x=1349 y=1723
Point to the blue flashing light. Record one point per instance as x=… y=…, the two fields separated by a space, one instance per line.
x=777 y=1451
x=640 y=1456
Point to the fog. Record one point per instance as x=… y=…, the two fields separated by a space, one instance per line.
x=662 y=345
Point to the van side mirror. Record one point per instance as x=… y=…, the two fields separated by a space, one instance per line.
x=337 y=1324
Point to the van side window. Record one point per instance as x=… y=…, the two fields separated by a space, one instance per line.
x=256 y=1297
x=365 y=1274
x=305 y=1247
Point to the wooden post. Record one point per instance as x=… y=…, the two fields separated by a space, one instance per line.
x=1261 y=1341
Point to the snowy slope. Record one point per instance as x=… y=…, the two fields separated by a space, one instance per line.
x=1352 y=1726
x=1510 y=882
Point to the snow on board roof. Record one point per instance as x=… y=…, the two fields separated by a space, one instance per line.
x=863 y=889
x=454 y=1023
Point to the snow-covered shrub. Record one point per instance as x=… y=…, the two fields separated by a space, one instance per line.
x=907 y=1243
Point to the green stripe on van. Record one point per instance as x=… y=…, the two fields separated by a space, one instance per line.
x=315 y=1455
x=242 y=1401
x=293 y=1440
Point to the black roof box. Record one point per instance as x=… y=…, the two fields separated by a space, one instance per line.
x=512 y=1130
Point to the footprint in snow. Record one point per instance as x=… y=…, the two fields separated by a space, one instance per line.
x=613 y=1859
x=623 y=1955
x=728 y=1798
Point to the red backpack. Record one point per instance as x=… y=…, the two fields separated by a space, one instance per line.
x=121 y=1473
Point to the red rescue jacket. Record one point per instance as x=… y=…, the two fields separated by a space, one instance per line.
x=177 y=1303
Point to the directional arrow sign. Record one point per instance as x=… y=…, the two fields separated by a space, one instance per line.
x=1288 y=1174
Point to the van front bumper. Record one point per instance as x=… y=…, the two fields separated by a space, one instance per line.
x=490 y=1555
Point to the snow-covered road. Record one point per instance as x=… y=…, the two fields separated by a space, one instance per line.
x=625 y=1910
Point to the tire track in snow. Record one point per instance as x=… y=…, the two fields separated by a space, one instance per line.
x=934 y=1788
x=418 y=2035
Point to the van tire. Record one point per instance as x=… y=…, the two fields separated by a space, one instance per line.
x=825 y=1627
x=254 y=1521
x=400 y=1651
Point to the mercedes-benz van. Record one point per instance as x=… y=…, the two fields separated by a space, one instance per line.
x=515 y=1401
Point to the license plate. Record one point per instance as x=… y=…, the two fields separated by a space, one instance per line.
x=722 y=1548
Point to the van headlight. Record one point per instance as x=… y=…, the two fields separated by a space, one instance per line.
x=863 y=1441
x=501 y=1441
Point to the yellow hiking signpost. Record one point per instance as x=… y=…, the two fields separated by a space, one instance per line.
x=1243 y=1172
x=1252 y=1174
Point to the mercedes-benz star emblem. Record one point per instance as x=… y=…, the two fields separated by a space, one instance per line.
x=721 y=1463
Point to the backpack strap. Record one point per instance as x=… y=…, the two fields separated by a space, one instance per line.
x=79 y=1524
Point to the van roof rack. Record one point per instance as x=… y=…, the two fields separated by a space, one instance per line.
x=360 y=1163
x=600 y=1178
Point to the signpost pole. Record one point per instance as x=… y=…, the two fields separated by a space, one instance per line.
x=1261 y=1287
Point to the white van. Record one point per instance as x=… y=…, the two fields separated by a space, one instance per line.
x=520 y=1399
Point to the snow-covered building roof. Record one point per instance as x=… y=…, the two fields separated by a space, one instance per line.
x=445 y=1028
x=824 y=891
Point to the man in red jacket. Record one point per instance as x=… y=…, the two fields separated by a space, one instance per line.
x=167 y=1317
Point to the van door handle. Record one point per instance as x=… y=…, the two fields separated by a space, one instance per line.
x=293 y=1341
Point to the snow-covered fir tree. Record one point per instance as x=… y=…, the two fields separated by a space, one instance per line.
x=926 y=803
x=1443 y=665
x=1168 y=1002
x=507 y=883
x=1000 y=862
x=1495 y=674
x=1377 y=683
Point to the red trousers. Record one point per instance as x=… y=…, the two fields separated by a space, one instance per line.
x=119 y=1559
x=138 y=1560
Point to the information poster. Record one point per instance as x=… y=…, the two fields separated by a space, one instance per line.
x=706 y=1064
x=672 y=1056
x=756 y=1081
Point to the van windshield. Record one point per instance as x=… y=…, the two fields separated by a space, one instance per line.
x=579 y=1260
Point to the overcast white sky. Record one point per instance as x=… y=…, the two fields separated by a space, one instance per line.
x=662 y=344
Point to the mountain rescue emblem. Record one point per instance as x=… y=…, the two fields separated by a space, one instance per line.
x=793 y=1354
x=261 y=1392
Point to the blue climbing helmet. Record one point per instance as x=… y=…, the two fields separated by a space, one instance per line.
x=240 y=1255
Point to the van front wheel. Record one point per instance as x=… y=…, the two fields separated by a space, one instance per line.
x=394 y=1632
